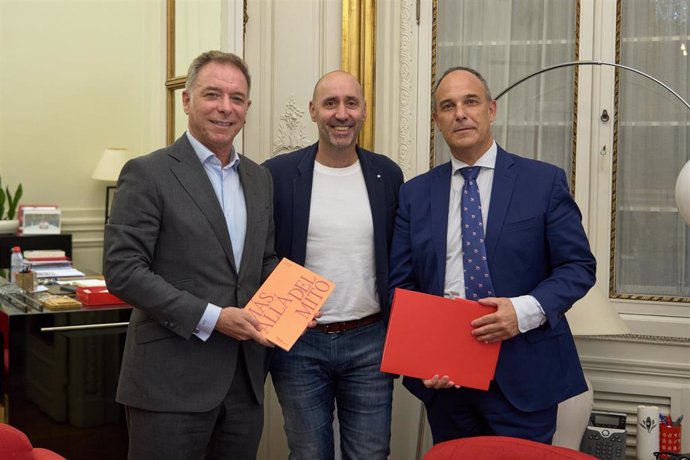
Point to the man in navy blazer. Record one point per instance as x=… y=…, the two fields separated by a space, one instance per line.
x=334 y=209
x=539 y=262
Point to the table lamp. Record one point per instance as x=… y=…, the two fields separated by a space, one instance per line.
x=108 y=170
x=591 y=315
x=683 y=192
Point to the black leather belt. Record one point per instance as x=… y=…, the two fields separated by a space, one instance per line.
x=342 y=326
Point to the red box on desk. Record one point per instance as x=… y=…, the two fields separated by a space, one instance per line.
x=97 y=296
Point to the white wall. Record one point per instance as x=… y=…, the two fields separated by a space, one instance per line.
x=77 y=77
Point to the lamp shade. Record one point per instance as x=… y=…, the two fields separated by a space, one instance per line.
x=594 y=315
x=110 y=164
x=683 y=192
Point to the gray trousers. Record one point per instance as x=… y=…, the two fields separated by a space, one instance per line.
x=231 y=431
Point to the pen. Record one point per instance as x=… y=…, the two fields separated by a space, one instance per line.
x=678 y=420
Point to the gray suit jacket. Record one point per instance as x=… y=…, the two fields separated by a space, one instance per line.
x=167 y=252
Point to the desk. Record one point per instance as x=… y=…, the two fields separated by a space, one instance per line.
x=58 y=382
x=32 y=242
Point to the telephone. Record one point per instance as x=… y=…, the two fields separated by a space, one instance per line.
x=605 y=436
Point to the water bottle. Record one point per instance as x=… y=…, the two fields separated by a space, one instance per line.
x=16 y=263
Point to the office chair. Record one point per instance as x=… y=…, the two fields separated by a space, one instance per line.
x=14 y=445
x=501 y=448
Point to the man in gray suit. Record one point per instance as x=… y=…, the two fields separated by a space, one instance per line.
x=190 y=240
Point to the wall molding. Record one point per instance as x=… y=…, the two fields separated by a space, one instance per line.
x=290 y=134
x=407 y=95
x=86 y=226
x=620 y=366
x=641 y=338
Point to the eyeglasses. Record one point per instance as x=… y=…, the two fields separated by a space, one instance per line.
x=665 y=455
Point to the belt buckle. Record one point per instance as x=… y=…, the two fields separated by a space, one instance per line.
x=332 y=328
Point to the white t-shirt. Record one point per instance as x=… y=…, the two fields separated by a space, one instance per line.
x=340 y=242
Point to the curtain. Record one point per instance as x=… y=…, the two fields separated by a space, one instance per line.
x=506 y=40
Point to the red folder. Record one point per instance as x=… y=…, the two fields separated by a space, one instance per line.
x=429 y=335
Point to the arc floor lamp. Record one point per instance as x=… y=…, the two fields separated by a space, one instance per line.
x=595 y=302
x=683 y=181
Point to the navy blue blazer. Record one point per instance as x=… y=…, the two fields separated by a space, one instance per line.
x=535 y=245
x=292 y=178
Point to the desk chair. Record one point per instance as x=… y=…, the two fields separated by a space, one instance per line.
x=14 y=445
x=501 y=448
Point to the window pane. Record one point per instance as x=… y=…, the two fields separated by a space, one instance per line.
x=652 y=241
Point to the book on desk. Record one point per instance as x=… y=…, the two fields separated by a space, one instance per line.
x=61 y=242
x=51 y=263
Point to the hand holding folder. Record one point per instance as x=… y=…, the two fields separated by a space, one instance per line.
x=430 y=335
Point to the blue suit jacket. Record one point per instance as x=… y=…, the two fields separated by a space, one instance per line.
x=292 y=177
x=535 y=245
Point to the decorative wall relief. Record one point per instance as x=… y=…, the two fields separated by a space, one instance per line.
x=290 y=130
x=407 y=91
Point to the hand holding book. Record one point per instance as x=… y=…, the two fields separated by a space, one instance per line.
x=288 y=302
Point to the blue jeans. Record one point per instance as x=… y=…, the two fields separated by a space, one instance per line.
x=322 y=370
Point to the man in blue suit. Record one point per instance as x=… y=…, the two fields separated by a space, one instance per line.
x=334 y=209
x=538 y=260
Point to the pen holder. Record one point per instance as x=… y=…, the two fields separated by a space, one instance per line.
x=26 y=281
x=669 y=438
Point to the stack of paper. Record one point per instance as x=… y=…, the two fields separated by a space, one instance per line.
x=51 y=263
x=44 y=253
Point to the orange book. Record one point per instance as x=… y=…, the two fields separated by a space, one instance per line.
x=430 y=335
x=287 y=301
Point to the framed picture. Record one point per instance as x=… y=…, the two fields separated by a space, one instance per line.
x=40 y=221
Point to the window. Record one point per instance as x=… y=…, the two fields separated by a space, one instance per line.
x=652 y=242
x=632 y=130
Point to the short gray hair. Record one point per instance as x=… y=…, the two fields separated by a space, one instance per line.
x=487 y=91
x=221 y=58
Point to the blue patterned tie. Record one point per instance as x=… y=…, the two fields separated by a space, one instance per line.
x=477 y=279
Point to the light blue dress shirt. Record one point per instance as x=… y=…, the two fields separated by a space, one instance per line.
x=226 y=183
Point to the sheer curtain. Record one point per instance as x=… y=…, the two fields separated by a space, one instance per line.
x=505 y=41
x=652 y=255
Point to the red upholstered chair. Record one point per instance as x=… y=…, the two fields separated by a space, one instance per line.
x=501 y=448
x=14 y=445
